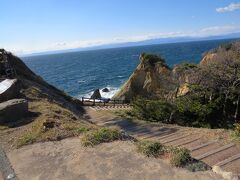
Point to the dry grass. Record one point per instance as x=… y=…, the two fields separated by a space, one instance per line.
x=101 y=135
x=2 y=127
x=65 y=124
x=178 y=157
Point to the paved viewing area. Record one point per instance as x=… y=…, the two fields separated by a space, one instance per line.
x=211 y=151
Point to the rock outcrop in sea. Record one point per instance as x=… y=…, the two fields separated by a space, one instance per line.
x=96 y=94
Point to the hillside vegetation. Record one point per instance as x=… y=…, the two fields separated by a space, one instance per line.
x=204 y=95
x=53 y=115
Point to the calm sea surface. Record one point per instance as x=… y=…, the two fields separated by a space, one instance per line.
x=79 y=73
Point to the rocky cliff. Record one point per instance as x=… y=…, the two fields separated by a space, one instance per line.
x=154 y=79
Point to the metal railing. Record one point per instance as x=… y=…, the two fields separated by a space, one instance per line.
x=102 y=102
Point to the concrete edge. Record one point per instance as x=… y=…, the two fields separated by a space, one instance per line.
x=226 y=175
x=6 y=169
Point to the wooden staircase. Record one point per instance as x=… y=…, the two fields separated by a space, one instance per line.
x=211 y=152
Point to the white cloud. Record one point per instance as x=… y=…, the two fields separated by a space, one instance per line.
x=209 y=31
x=204 y=32
x=229 y=8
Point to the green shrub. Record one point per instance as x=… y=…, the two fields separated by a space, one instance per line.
x=195 y=111
x=189 y=110
x=197 y=166
x=236 y=131
x=152 y=110
x=150 y=148
x=179 y=157
x=101 y=135
x=152 y=59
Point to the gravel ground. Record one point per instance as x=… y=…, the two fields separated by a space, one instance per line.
x=68 y=159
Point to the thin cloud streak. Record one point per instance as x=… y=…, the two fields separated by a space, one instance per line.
x=231 y=7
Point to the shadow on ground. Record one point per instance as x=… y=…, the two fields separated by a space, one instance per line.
x=30 y=117
x=140 y=130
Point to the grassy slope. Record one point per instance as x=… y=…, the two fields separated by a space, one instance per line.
x=46 y=103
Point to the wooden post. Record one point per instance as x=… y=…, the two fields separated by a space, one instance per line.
x=114 y=103
x=94 y=102
x=82 y=100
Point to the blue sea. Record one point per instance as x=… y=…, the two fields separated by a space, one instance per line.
x=80 y=73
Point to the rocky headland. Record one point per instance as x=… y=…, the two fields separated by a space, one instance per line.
x=154 y=79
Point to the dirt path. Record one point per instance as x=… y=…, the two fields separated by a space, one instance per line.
x=67 y=159
x=209 y=146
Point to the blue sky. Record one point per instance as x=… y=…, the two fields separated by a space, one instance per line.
x=42 y=25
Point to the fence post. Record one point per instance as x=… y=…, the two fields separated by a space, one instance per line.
x=94 y=102
x=82 y=100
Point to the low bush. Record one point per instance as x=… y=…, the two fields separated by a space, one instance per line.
x=101 y=135
x=150 y=148
x=236 y=131
x=195 y=165
x=179 y=157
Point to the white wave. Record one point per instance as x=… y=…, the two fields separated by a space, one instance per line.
x=81 y=81
x=110 y=94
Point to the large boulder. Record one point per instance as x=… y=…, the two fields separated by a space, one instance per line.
x=9 y=89
x=13 y=110
x=105 y=90
x=96 y=94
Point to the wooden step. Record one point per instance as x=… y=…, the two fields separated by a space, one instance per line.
x=214 y=151
x=159 y=133
x=220 y=156
x=184 y=141
x=228 y=160
x=174 y=139
x=170 y=134
x=233 y=167
x=206 y=149
x=194 y=143
x=201 y=146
